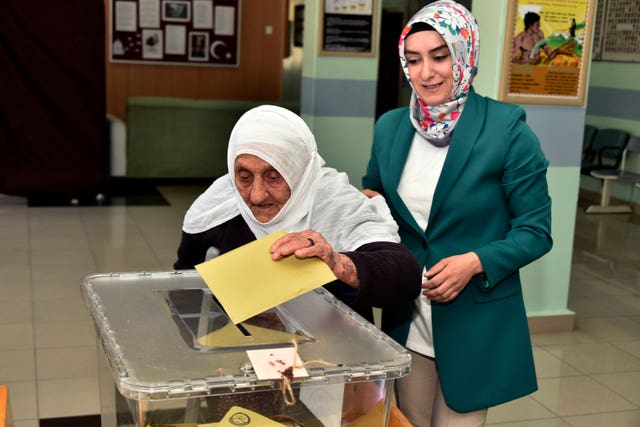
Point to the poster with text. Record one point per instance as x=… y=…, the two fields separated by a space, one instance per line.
x=546 y=53
x=347 y=27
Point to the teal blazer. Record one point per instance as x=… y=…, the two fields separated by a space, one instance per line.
x=492 y=199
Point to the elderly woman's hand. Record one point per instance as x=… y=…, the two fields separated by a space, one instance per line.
x=309 y=243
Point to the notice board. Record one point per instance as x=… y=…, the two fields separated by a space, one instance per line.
x=184 y=32
x=348 y=27
x=617 y=31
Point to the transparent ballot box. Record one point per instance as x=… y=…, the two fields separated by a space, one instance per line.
x=171 y=356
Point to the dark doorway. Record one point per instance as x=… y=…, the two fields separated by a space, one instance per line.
x=389 y=73
x=53 y=127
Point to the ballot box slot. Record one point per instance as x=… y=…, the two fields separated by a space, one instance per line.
x=204 y=325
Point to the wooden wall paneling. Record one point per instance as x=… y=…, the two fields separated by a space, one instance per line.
x=259 y=76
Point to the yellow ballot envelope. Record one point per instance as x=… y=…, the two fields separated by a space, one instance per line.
x=238 y=416
x=247 y=281
x=235 y=416
x=230 y=335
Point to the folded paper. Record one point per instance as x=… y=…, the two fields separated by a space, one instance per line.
x=229 y=335
x=271 y=363
x=235 y=416
x=238 y=416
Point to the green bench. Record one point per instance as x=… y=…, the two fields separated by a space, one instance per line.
x=180 y=137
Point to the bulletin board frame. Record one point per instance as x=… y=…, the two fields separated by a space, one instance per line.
x=175 y=32
x=553 y=70
x=617 y=31
x=348 y=28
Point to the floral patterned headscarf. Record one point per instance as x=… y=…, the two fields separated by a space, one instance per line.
x=459 y=29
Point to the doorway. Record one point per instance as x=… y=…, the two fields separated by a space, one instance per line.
x=389 y=73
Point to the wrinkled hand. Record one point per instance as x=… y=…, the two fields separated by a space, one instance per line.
x=304 y=244
x=446 y=279
x=369 y=193
x=309 y=243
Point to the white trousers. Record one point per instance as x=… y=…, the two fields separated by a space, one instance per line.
x=420 y=398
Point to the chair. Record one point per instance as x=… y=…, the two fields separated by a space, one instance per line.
x=607 y=148
x=608 y=176
x=587 y=143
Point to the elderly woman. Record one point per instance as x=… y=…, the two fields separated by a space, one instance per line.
x=277 y=181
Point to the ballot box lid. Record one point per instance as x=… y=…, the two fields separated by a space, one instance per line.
x=164 y=336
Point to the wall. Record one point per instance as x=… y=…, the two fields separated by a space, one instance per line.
x=338 y=102
x=259 y=76
x=614 y=90
x=559 y=129
x=338 y=98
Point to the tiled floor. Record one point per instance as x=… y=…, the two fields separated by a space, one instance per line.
x=589 y=377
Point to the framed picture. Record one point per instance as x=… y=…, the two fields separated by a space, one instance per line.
x=198 y=46
x=547 y=51
x=347 y=27
x=176 y=11
x=298 y=25
x=152 y=44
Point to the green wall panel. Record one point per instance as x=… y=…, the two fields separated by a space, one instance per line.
x=619 y=75
x=344 y=143
x=546 y=281
x=490 y=15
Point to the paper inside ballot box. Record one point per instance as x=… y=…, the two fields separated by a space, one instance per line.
x=230 y=335
x=236 y=416
x=247 y=281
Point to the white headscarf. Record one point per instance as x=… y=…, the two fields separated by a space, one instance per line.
x=321 y=198
x=459 y=29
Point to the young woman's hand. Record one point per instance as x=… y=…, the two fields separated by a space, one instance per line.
x=447 y=278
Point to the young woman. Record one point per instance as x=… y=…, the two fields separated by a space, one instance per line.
x=465 y=179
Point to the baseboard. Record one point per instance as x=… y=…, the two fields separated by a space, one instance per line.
x=552 y=323
x=81 y=421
